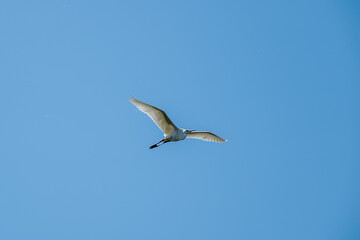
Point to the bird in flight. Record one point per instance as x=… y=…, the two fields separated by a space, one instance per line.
x=171 y=132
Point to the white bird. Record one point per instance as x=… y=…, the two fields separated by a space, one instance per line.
x=171 y=132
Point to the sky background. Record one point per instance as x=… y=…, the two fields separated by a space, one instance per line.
x=279 y=80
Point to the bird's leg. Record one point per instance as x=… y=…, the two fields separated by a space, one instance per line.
x=157 y=144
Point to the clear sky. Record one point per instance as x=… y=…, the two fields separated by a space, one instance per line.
x=279 y=80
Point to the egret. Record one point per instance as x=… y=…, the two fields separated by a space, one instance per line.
x=171 y=132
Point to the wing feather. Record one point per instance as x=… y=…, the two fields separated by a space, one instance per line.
x=158 y=116
x=206 y=136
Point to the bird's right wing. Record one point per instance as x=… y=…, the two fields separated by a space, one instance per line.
x=158 y=116
x=206 y=136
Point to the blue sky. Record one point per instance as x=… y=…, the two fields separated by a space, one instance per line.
x=278 y=79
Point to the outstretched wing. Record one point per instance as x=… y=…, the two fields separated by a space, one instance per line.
x=206 y=136
x=158 y=116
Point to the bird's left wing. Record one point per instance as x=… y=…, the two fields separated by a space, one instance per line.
x=206 y=136
x=158 y=116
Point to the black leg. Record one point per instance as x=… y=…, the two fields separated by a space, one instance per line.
x=157 y=144
x=153 y=146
